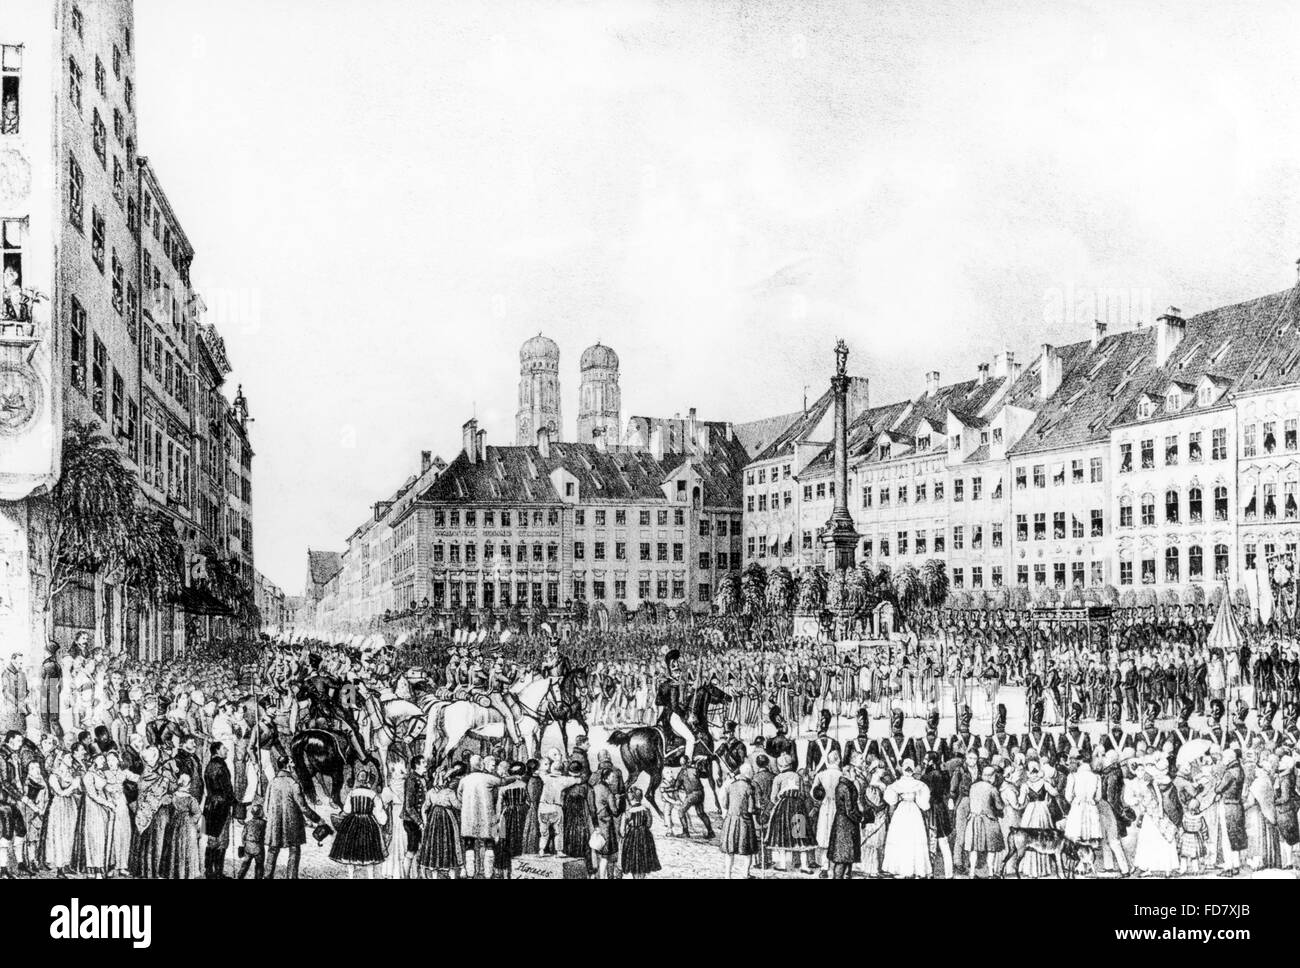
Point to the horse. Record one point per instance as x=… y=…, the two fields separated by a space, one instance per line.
x=447 y=722
x=545 y=701
x=643 y=748
x=329 y=751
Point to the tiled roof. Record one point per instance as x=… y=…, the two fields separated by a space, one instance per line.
x=757 y=434
x=1276 y=362
x=863 y=433
x=521 y=475
x=323 y=565
x=803 y=425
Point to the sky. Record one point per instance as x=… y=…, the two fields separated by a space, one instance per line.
x=387 y=198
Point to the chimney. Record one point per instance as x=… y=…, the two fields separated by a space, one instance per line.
x=984 y=373
x=1016 y=370
x=1049 y=376
x=1170 y=329
x=859 y=398
x=657 y=443
x=426 y=461
x=480 y=439
x=932 y=383
x=544 y=442
x=469 y=440
x=1098 y=332
x=1003 y=363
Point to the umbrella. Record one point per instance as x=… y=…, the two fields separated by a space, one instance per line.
x=1193 y=750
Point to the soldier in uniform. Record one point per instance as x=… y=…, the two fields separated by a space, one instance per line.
x=1037 y=741
x=1130 y=690
x=822 y=745
x=1215 y=731
x=1116 y=736
x=931 y=741
x=896 y=748
x=1074 y=741
x=730 y=749
x=671 y=699
x=861 y=745
x=1182 y=731
x=1150 y=733
x=963 y=741
x=1292 y=717
x=1000 y=742
x=1241 y=735
x=1267 y=713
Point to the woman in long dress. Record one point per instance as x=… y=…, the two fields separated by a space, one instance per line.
x=61 y=822
x=511 y=810
x=1082 y=791
x=875 y=821
x=1285 y=806
x=739 y=836
x=1157 y=840
x=397 y=862
x=1263 y=850
x=638 y=856
x=826 y=781
x=787 y=830
x=441 y=849
x=119 y=840
x=1037 y=795
x=358 y=840
x=907 y=845
x=186 y=814
x=98 y=821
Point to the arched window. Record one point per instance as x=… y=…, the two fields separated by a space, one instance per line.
x=1195 y=564
x=1194 y=504
x=1220 y=562
x=1171 y=565
x=1148 y=510
x=1126 y=512
x=1220 y=502
x=1171 y=506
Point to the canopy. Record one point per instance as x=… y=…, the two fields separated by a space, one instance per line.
x=1226 y=634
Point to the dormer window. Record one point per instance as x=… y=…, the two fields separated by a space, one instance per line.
x=956 y=442
x=1174 y=401
x=884 y=451
x=923 y=443
x=1144 y=408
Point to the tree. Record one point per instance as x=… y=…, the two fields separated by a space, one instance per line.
x=1241 y=597
x=780 y=591
x=753 y=588
x=884 y=585
x=1170 y=597
x=1019 y=597
x=1146 y=598
x=727 y=598
x=907 y=588
x=934 y=582
x=578 y=612
x=1194 y=595
x=1128 y=599
x=1048 y=596
x=1110 y=594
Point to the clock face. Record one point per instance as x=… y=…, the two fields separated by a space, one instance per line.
x=20 y=398
x=15 y=178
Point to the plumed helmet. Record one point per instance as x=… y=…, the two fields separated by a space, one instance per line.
x=1149 y=713
x=963 y=721
x=1036 y=714
x=1216 y=710
x=932 y=720
x=1267 y=712
x=864 y=717
x=1185 y=708
x=896 y=720
x=825 y=719
x=1243 y=710
x=1114 y=714
x=1000 y=722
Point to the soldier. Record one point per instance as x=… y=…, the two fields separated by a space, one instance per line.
x=1267 y=713
x=1241 y=735
x=1074 y=741
x=1182 y=731
x=822 y=745
x=1292 y=716
x=1215 y=731
x=1150 y=733
x=861 y=745
x=963 y=741
x=896 y=748
x=1116 y=737
x=1000 y=742
x=931 y=742
x=671 y=700
x=1037 y=741
x=1130 y=690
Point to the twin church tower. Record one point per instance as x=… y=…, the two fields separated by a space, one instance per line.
x=600 y=404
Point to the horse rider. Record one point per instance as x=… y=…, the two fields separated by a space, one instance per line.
x=671 y=700
x=555 y=666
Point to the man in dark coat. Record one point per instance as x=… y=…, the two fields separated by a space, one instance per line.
x=287 y=813
x=821 y=745
x=845 y=847
x=1232 y=815
x=861 y=745
x=217 y=805
x=51 y=688
x=1074 y=741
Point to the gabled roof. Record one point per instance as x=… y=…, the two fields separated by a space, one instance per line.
x=1276 y=361
x=323 y=565
x=797 y=432
x=756 y=435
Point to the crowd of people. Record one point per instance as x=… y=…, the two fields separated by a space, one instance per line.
x=113 y=766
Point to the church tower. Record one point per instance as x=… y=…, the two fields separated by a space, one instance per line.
x=600 y=404
x=539 y=391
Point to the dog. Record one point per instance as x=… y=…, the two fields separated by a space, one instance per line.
x=1068 y=857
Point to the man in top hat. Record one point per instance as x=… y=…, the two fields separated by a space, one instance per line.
x=1232 y=815
x=822 y=744
x=670 y=697
x=1074 y=741
x=1130 y=689
x=896 y=748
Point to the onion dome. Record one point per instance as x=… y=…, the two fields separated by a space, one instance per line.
x=598 y=357
x=539 y=348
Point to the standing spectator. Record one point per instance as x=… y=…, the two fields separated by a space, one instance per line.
x=441 y=848
x=550 y=810
x=217 y=808
x=577 y=808
x=1232 y=815
x=413 y=810
x=398 y=861
x=607 y=809
x=1285 y=805
x=153 y=813
x=739 y=836
x=185 y=832
x=61 y=819
x=358 y=839
x=51 y=689
x=254 y=837
x=1263 y=846
x=534 y=786
x=511 y=808
x=97 y=825
x=983 y=835
x=907 y=845
x=478 y=796
x=287 y=814
x=13 y=696
x=638 y=857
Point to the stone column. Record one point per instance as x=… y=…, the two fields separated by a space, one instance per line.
x=840 y=537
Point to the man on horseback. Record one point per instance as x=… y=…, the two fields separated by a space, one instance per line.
x=671 y=699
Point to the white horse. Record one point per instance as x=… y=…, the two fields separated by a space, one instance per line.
x=542 y=702
x=447 y=722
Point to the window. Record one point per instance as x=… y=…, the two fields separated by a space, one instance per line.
x=76 y=193
x=1098 y=528
x=995 y=578
x=679 y=516
x=1220 y=503
x=1270 y=502
x=620 y=551
x=1076 y=471
x=1195 y=564
x=1076 y=574
x=11 y=65
x=128 y=95
x=977 y=577
x=920 y=493
x=1247 y=441
x=958 y=538
x=661 y=551
x=1148 y=571
x=997 y=490
x=1288 y=500
x=1194 y=447
x=884 y=497
x=807 y=492
x=958 y=487
x=74 y=84
x=1171 y=451
x=1058 y=475
x=1171 y=506
x=579 y=551
x=118 y=404
x=902 y=493
x=958 y=578
x=1270 y=436
x=1076 y=526
x=1040 y=527
x=98 y=377
x=1021 y=479
x=1125 y=458
x=921 y=542
x=821 y=492
x=1220 y=562
x=1171 y=565
x=1022 y=527
x=995 y=535
x=1148 y=454
x=1289 y=434
x=1094 y=470
x=866 y=497
x=1040 y=575
x=661 y=518
x=976 y=488
x=1058 y=525
x=97 y=238
x=1126 y=512
x=99 y=138
x=1250 y=556
x=1249 y=511
x=1148 y=510
x=679 y=552
x=1040 y=475
x=1126 y=572
x=1219 y=445
x=938 y=490
x=939 y=543
x=1022 y=576
x=101 y=78
x=1194 y=504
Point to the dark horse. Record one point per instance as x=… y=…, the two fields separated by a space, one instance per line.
x=642 y=748
x=561 y=703
x=318 y=751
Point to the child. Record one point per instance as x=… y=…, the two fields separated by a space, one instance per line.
x=1191 y=839
x=254 y=831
